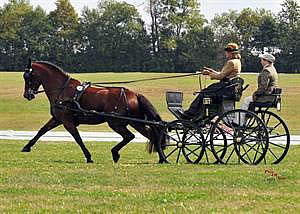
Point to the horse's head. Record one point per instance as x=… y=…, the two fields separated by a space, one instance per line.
x=32 y=82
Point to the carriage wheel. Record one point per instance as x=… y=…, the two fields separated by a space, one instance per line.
x=248 y=138
x=184 y=138
x=220 y=146
x=279 y=136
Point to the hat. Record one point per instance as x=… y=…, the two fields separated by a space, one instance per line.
x=268 y=57
x=232 y=47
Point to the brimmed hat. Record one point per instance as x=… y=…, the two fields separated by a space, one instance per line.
x=232 y=47
x=268 y=57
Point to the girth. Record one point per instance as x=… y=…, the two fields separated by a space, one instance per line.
x=122 y=94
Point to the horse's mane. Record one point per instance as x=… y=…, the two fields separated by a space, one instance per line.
x=55 y=67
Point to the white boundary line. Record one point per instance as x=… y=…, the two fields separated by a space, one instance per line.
x=86 y=136
x=65 y=136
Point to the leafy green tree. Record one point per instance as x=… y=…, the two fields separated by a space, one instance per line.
x=198 y=49
x=247 y=23
x=265 y=38
x=250 y=23
x=64 y=40
x=225 y=31
x=289 y=33
x=115 y=36
x=171 y=20
x=35 y=31
x=12 y=44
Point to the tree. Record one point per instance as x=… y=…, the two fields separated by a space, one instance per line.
x=198 y=49
x=171 y=20
x=253 y=25
x=225 y=31
x=35 y=31
x=289 y=33
x=265 y=38
x=115 y=36
x=64 y=41
x=12 y=44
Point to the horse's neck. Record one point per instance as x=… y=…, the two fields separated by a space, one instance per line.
x=54 y=85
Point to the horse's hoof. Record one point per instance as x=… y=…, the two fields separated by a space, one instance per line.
x=115 y=156
x=89 y=161
x=162 y=161
x=25 y=149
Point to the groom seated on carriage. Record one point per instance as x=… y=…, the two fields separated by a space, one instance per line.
x=228 y=76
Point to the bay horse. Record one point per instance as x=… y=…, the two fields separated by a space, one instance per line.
x=60 y=90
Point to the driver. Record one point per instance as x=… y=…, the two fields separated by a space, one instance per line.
x=231 y=70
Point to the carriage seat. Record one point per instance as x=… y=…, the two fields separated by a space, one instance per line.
x=174 y=101
x=275 y=100
x=234 y=89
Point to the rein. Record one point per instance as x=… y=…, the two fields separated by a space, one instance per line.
x=125 y=82
x=61 y=89
x=143 y=80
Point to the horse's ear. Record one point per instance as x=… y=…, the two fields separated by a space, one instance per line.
x=29 y=63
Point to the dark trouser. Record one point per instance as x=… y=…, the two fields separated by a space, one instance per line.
x=213 y=90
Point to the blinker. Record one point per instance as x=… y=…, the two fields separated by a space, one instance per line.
x=26 y=75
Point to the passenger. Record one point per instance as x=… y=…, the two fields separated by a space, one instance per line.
x=266 y=82
x=231 y=70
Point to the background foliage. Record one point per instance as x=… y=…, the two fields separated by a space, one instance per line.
x=113 y=37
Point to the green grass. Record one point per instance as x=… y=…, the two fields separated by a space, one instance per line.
x=54 y=178
x=19 y=114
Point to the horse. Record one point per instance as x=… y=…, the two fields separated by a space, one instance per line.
x=61 y=91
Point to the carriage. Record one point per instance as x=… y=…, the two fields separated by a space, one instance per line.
x=216 y=135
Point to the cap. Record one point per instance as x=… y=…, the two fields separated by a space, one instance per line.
x=268 y=57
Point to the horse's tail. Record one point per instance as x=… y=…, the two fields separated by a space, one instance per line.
x=152 y=115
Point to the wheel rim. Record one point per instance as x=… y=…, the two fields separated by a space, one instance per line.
x=279 y=137
x=249 y=139
x=185 y=143
x=220 y=144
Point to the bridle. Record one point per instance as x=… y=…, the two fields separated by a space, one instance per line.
x=28 y=77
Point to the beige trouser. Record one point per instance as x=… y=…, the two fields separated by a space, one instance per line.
x=244 y=105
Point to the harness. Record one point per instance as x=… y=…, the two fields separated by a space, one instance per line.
x=74 y=105
x=80 y=90
x=122 y=94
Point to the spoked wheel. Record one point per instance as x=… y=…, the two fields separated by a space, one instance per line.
x=279 y=136
x=220 y=145
x=185 y=142
x=246 y=135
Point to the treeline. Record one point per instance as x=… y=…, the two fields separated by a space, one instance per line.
x=113 y=37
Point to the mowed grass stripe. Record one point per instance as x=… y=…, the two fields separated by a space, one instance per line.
x=55 y=178
x=16 y=113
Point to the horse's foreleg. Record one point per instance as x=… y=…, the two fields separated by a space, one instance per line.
x=127 y=137
x=74 y=132
x=51 y=124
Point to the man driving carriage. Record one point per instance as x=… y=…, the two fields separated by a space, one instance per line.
x=229 y=72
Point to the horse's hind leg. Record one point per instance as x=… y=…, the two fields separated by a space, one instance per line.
x=51 y=124
x=71 y=128
x=127 y=137
x=153 y=134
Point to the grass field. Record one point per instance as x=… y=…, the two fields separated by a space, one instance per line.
x=54 y=177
